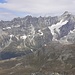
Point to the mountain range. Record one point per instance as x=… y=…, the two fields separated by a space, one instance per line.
x=26 y=41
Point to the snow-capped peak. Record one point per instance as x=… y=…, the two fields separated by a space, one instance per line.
x=55 y=27
x=66 y=13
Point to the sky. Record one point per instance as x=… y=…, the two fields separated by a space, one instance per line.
x=10 y=9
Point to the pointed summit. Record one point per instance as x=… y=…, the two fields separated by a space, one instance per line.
x=66 y=16
x=66 y=13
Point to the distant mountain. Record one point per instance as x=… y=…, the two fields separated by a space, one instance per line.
x=30 y=33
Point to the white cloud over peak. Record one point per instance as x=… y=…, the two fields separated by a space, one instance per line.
x=39 y=7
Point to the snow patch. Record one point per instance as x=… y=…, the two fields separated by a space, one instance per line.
x=45 y=44
x=16 y=26
x=11 y=35
x=32 y=50
x=23 y=37
x=74 y=30
x=4 y=28
x=40 y=32
x=71 y=31
x=55 y=27
x=8 y=27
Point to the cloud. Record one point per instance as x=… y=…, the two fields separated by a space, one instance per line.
x=6 y=15
x=39 y=7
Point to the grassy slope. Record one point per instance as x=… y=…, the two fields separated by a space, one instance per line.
x=41 y=62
